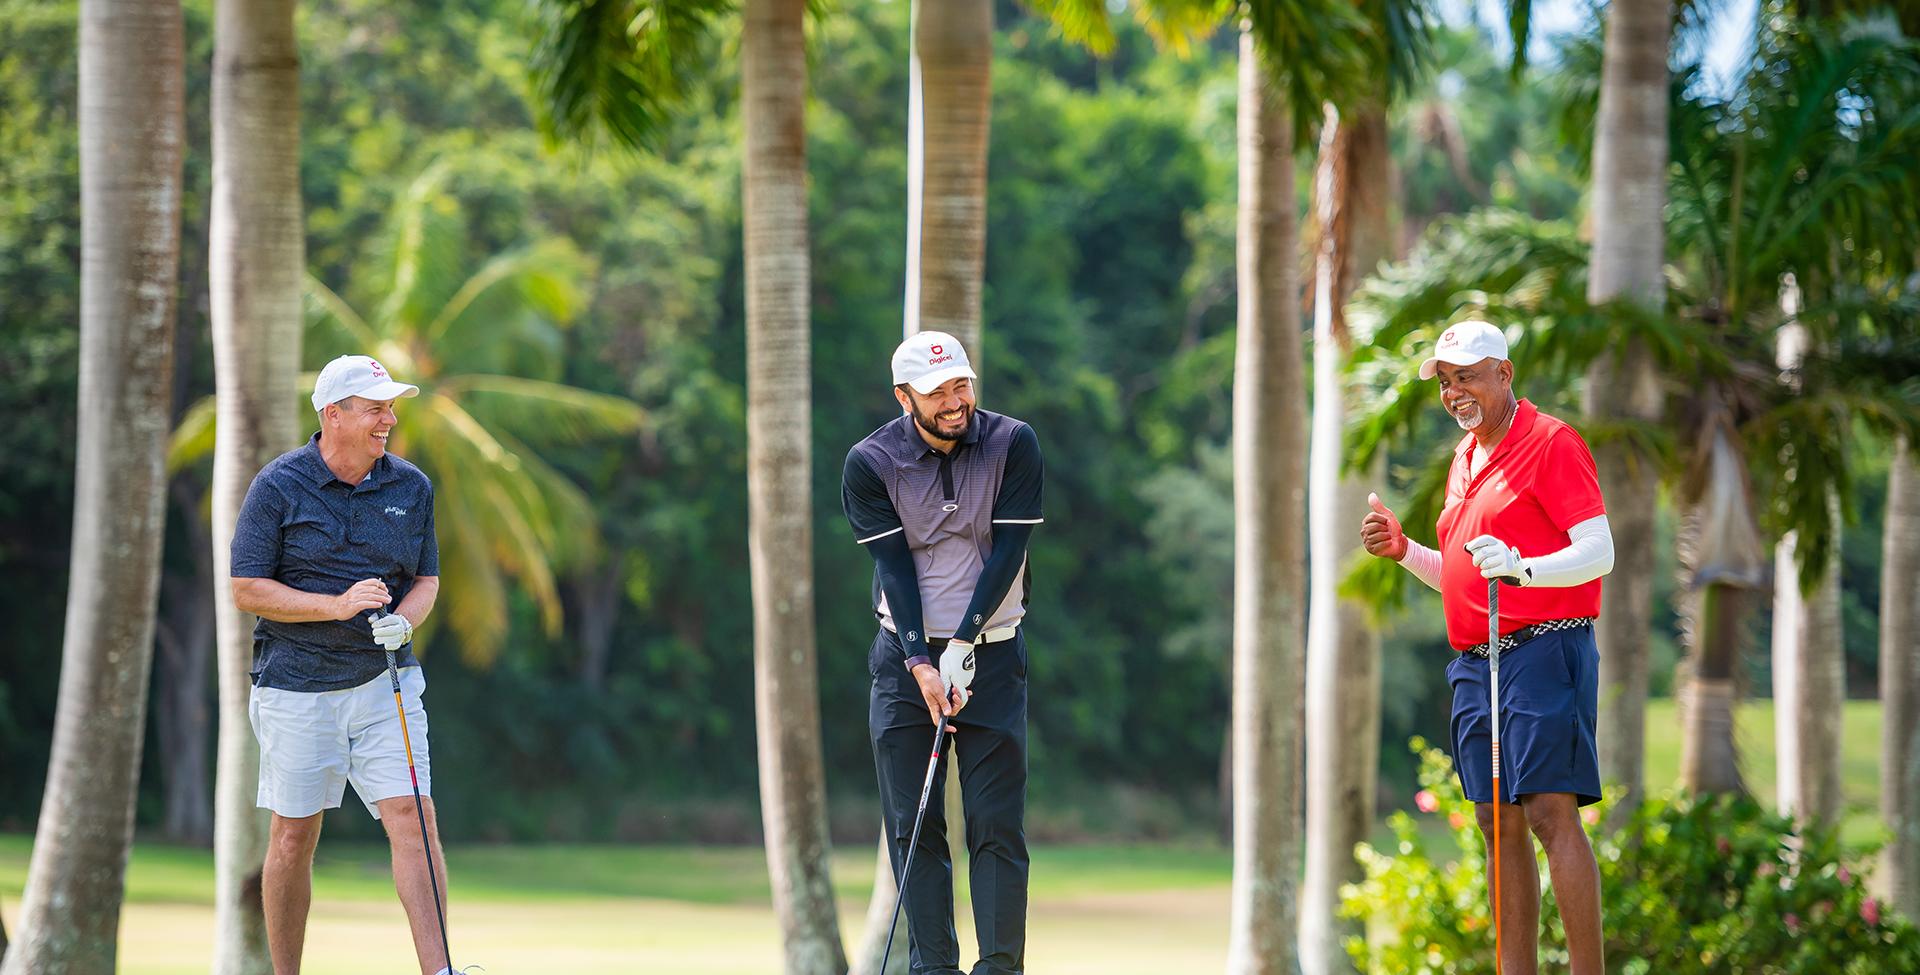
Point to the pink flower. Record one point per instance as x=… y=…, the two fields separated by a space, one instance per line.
x=1870 y=911
x=1793 y=923
x=1456 y=821
x=1846 y=877
x=1723 y=846
x=1765 y=870
x=1590 y=815
x=1426 y=801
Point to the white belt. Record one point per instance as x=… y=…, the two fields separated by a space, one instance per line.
x=998 y=634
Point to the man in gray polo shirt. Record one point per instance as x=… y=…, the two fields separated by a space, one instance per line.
x=945 y=499
x=335 y=552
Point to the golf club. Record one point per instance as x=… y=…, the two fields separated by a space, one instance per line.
x=940 y=731
x=1493 y=672
x=419 y=808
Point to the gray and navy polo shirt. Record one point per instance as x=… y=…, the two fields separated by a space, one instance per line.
x=947 y=504
x=304 y=528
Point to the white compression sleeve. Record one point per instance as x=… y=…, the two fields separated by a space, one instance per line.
x=1588 y=556
x=1424 y=563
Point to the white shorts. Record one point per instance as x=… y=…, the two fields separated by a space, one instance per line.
x=312 y=743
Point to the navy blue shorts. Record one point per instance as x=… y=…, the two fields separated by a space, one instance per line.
x=1549 y=702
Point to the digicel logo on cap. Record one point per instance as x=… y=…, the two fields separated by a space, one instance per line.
x=378 y=373
x=938 y=357
x=1450 y=337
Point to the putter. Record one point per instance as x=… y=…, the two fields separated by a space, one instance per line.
x=419 y=808
x=940 y=731
x=1493 y=671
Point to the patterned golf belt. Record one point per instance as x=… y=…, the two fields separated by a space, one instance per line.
x=1525 y=633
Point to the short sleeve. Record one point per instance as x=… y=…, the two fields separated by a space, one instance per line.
x=1568 y=484
x=1019 y=500
x=863 y=496
x=429 y=541
x=255 y=552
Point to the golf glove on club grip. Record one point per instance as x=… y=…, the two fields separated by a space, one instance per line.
x=392 y=631
x=956 y=667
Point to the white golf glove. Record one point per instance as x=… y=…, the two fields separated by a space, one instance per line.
x=392 y=631
x=1496 y=560
x=956 y=667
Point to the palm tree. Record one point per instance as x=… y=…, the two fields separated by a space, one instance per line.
x=1269 y=433
x=623 y=66
x=1800 y=167
x=481 y=348
x=1900 y=680
x=132 y=136
x=1352 y=203
x=257 y=264
x=793 y=798
x=1629 y=253
x=948 y=111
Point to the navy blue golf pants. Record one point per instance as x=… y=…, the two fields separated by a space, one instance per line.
x=991 y=745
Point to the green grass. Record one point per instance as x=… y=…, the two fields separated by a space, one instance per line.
x=531 y=910
x=540 y=909
x=1753 y=734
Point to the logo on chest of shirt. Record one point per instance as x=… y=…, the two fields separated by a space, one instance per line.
x=396 y=512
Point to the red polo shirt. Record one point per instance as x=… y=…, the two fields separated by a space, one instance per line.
x=1539 y=482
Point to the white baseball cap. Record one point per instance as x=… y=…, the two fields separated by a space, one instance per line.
x=927 y=359
x=357 y=375
x=1463 y=344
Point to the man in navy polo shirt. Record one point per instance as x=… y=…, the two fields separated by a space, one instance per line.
x=945 y=498
x=335 y=553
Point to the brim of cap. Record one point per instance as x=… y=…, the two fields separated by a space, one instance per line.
x=926 y=384
x=1431 y=365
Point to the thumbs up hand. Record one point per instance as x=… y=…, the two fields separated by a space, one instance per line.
x=1380 y=531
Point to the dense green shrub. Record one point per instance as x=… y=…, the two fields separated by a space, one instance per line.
x=1708 y=886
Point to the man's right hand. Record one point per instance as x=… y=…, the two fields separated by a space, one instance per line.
x=362 y=596
x=1380 y=532
x=940 y=703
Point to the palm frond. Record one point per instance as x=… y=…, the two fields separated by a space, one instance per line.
x=428 y=240
x=1179 y=25
x=543 y=412
x=1083 y=22
x=326 y=308
x=619 y=66
x=547 y=279
x=1314 y=52
x=192 y=438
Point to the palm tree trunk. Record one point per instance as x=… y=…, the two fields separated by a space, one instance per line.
x=1900 y=681
x=948 y=112
x=1721 y=553
x=793 y=798
x=1352 y=190
x=1269 y=437
x=132 y=136
x=1809 y=684
x=257 y=262
x=1629 y=252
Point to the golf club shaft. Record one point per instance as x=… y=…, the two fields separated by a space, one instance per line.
x=906 y=862
x=420 y=809
x=1493 y=671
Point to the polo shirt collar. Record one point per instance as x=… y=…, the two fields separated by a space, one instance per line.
x=322 y=475
x=910 y=429
x=1524 y=415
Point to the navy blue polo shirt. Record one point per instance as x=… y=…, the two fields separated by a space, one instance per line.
x=311 y=531
x=947 y=504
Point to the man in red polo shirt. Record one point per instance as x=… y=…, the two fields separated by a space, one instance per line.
x=1523 y=506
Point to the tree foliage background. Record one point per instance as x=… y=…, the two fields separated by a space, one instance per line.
x=1109 y=316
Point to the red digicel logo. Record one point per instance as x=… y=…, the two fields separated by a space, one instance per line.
x=1449 y=338
x=378 y=373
